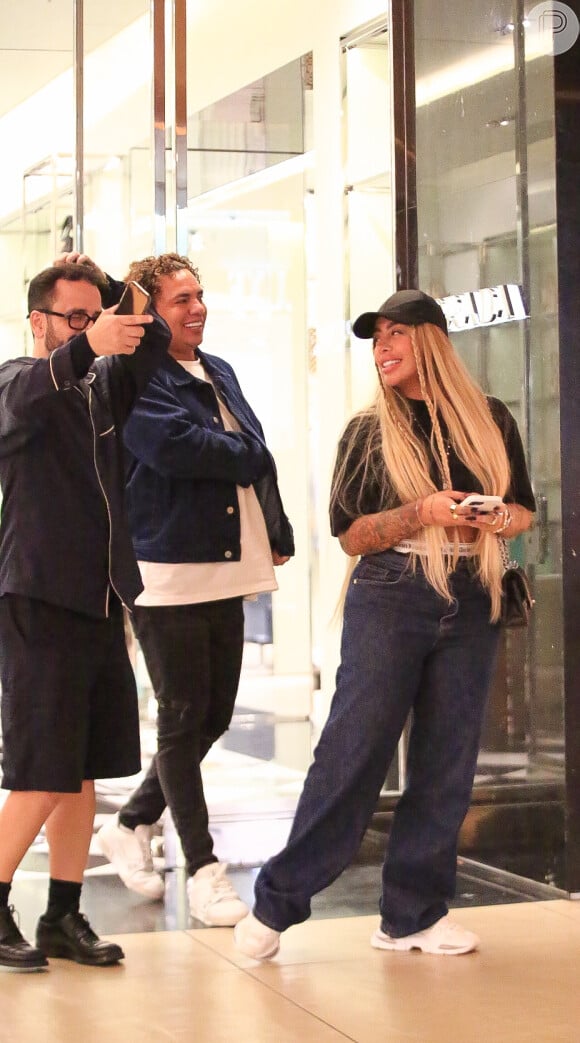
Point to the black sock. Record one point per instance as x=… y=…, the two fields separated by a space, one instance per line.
x=4 y=892
x=63 y=897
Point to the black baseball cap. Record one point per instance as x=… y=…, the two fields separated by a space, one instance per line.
x=411 y=307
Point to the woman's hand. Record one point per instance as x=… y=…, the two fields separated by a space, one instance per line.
x=508 y=520
x=445 y=508
x=441 y=509
x=496 y=520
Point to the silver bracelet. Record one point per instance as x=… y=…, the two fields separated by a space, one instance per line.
x=506 y=522
x=417 y=502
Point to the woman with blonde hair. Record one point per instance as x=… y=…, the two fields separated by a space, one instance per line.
x=420 y=633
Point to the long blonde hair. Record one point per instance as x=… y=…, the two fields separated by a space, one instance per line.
x=396 y=459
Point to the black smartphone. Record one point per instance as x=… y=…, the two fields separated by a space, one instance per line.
x=134 y=301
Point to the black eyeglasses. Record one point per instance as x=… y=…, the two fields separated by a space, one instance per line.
x=77 y=320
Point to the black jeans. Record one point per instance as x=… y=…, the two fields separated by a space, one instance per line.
x=194 y=656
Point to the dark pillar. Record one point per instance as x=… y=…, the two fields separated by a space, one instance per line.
x=403 y=50
x=567 y=96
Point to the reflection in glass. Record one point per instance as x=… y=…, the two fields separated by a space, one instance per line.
x=368 y=192
x=256 y=127
x=249 y=162
x=486 y=213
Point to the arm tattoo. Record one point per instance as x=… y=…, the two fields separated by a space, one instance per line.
x=372 y=533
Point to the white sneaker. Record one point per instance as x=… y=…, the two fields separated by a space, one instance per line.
x=444 y=938
x=212 y=898
x=254 y=939
x=130 y=852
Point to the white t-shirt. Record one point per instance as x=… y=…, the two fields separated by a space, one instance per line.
x=187 y=583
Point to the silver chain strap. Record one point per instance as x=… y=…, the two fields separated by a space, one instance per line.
x=505 y=557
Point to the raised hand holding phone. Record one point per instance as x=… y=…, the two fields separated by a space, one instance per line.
x=118 y=330
x=134 y=301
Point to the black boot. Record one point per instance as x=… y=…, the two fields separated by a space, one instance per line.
x=15 y=952
x=72 y=938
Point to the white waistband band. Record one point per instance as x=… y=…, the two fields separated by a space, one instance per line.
x=465 y=550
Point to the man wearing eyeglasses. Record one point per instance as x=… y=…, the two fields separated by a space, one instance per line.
x=77 y=320
x=69 y=703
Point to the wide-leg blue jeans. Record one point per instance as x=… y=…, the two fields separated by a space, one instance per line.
x=404 y=649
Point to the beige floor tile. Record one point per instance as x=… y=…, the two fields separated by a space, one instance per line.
x=519 y=988
x=564 y=908
x=170 y=988
x=306 y=943
x=327 y=985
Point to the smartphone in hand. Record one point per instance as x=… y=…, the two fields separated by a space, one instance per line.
x=134 y=301
x=482 y=504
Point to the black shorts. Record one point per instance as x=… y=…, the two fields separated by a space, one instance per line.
x=69 y=699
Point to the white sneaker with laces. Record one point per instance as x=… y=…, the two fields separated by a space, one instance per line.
x=212 y=898
x=254 y=939
x=444 y=938
x=130 y=852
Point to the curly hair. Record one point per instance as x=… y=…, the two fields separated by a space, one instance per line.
x=150 y=270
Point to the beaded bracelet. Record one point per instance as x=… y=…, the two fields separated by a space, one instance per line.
x=417 y=512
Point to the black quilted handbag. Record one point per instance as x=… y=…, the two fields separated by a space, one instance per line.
x=516 y=596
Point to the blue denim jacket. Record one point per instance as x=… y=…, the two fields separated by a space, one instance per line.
x=183 y=468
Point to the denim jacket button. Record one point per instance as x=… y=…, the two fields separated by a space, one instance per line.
x=230 y=510
x=216 y=419
x=228 y=554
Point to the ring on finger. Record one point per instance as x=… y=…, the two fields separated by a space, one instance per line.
x=453 y=508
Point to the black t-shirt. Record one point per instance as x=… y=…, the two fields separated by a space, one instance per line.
x=375 y=497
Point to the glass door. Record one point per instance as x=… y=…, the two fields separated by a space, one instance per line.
x=486 y=218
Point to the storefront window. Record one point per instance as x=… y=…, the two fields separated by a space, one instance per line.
x=487 y=217
x=249 y=166
x=36 y=171
x=40 y=145
x=118 y=161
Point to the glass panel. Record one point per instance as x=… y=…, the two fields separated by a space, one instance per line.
x=368 y=188
x=118 y=219
x=486 y=213
x=256 y=127
x=37 y=142
x=35 y=176
x=370 y=225
x=249 y=178
x=118 y=183
x=250 y=252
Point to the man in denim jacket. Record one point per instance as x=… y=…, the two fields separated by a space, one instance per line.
x=208 y=526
